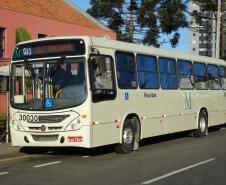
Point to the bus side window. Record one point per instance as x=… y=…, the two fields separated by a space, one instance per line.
x=102 y=78
x=222 y=77
x=184 y=74
x=126 y=70
x=168 y=75
x=200 y=76
x=147 y=70
x=213 y=77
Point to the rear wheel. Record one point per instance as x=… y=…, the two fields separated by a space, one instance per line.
x=202 y=125
x=128 y=138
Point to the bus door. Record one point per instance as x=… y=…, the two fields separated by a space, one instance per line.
x=104 y=104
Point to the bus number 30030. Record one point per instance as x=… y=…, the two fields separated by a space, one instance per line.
x=28 y=118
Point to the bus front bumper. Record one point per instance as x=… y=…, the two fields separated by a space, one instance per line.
x=78 y=138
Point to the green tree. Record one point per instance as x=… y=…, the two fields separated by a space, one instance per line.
x=142 y=20
x=22 y=35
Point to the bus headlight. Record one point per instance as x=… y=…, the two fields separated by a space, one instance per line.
x=17 y=126
x=74 y=125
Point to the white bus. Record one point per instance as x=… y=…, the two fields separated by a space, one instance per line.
x=89 y=92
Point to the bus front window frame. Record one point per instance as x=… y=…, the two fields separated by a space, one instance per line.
x=73 y=94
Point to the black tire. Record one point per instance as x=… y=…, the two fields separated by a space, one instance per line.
x=202 y=125
x=128 y=138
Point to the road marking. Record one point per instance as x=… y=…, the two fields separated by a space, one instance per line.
x=4 y=173
x=47 y=164
x=178 y=171
x=86 y=156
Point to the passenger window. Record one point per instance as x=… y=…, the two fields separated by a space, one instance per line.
x=126 y=70
x=102 y=78
x=222 y=77
x=200 y=77
x=147 y=72
x=213 y=77
x=184 y=74
x=168 y=76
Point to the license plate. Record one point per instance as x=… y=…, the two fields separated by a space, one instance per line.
x=75 y=139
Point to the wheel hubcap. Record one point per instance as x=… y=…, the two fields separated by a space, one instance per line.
x=128 y=136
x=202 y=124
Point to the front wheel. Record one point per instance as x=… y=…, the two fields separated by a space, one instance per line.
x=128 y=138
x=202 y=125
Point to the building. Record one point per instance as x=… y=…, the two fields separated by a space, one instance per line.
x=39 y=19
x=202 y=36
x=223 y=38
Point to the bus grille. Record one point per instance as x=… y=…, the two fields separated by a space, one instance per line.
x=45 y=138
x=50 y=119
x=49 y=128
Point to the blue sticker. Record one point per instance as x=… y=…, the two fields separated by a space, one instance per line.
x=126 y=96
x=49 y=103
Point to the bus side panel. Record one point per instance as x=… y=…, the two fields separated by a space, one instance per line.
x=105 y=130
x=175 y=110
x=148 y=109
x=163 y=111
x=213 y=105
x=141 y=103
x=223 y=106
x=211 y=100
x=217 y=106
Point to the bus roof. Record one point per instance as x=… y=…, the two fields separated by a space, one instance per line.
x=104 y=42
x=129 y=47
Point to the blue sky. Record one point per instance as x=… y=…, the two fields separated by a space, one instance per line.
x=184 y=40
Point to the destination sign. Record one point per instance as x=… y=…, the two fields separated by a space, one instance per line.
x=51 y=48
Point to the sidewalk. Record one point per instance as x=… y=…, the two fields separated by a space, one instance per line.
x=7 y=151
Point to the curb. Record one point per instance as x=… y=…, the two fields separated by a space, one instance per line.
x=8 y=151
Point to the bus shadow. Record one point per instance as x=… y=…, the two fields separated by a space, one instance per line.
x=165 y=138
x=68 y=151
x=178 y=135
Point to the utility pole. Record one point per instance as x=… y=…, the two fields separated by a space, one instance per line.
x=217 y=55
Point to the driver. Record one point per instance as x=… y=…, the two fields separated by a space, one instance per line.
x=62 y=76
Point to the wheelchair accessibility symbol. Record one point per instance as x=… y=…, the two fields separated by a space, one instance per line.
x=49 y=103
x=126 y=96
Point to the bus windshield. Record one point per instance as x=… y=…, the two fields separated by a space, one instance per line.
x=48 y=85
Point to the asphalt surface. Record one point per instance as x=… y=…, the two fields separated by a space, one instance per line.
x=169 y=160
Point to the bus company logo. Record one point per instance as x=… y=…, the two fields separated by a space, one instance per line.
x=18 y=53
x=75 y=139
x=43 y=128
x=150 y=95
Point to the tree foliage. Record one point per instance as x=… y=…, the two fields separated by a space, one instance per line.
x=142 y=20
x=22 y=35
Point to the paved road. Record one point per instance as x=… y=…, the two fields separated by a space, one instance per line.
x=169 y=160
